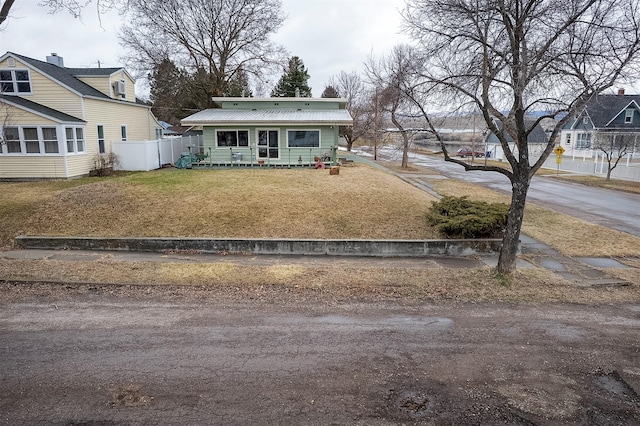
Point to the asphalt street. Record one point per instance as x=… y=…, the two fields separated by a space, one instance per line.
x=613 y=209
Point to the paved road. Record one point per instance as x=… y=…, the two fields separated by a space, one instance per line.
x=613 y=209
x=89 y=357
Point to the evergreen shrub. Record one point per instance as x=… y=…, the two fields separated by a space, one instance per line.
x=459 y=217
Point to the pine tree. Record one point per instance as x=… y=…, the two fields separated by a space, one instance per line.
x=294 y=77
x=167 y=91
x=330 y=92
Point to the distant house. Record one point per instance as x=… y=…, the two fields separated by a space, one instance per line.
x=271 y=131
x=537 y=142
x=610 y=113
x=55 y=120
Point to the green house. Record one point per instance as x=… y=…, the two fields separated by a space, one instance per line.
x=270 y=131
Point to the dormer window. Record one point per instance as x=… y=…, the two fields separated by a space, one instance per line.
x=628 y=116
x=15 y=81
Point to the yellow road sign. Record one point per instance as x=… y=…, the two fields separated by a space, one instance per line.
x=559 y=150
x=558 y=159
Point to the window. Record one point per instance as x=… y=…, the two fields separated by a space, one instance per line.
x=74 y=137
x=101 y=147
x=303 y=138
x=50 y=139
x=123 y=133
x=583 y=141
x=12 y=140
x=628 y=116
x=31 y=141
x=568 y=140
x=80 y=139
x=15 y=81
x=71 y=146
x=268 y=144
x=232 y=137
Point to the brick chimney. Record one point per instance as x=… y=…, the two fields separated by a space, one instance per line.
x=621 y=91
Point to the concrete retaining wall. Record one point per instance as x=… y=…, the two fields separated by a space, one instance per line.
x=390 y=248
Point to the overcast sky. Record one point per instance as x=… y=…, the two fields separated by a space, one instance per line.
x=329 y=35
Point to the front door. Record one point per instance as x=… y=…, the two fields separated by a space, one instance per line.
x=268 y=146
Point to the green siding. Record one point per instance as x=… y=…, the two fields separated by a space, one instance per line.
x=287 y=103
x=292 y=156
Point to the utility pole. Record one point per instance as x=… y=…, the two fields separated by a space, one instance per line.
x=375 y=127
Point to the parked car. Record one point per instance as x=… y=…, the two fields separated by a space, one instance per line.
x=467 y=152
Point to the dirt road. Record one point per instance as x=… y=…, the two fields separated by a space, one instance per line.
x=103 y=356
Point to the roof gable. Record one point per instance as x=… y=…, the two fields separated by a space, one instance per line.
x=604 y=109
x=68 y=76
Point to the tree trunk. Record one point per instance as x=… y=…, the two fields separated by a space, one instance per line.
x=511 y=239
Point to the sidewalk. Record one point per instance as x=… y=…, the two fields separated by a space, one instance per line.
x=582 y=272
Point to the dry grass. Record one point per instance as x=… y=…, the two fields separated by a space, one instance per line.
x=360 y=202
x=600 y=182
x=336 y=282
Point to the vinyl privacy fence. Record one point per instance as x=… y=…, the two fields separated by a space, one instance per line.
x=151 y=155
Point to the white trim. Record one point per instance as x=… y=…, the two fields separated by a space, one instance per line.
x=215 y=137
x=305 y=130
x=267 y=129
x=14 y=82
x=104 y=139
x=629 y=106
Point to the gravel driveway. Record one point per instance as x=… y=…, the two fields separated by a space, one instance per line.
x=103 y=355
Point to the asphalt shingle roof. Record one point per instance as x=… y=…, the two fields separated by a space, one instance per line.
x=66 y=75
x=603 y=108
x=41 y=109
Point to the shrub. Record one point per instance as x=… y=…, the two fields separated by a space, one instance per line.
x=103 y=164
x=459 y=217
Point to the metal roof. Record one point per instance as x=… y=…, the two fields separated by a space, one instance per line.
x=221 y=117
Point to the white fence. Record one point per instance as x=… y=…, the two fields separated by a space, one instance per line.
x=627 y=169
x=151 y=155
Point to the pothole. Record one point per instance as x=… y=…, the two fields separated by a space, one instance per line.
x=612 y=382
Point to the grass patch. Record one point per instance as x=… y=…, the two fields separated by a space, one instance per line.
x=599 y=182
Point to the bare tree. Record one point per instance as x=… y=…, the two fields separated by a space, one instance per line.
x=5 y=9
x=351 y=87
x=512 y=57
x=614 y=146
x=7 y=134
x=395 y=76
x=74 y=7
x=220 y=38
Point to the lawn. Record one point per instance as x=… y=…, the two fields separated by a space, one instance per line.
x=360 y=202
